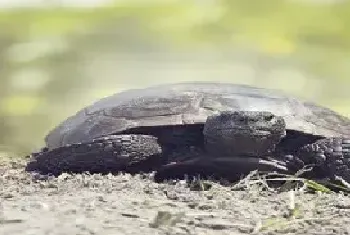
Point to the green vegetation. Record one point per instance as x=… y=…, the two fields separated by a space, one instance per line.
x=54 y=60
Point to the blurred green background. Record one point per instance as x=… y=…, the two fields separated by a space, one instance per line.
x=57 y=59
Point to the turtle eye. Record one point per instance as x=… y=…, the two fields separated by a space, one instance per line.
x=268 y=117
x=242 y=119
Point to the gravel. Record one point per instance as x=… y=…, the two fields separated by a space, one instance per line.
x=126 y=204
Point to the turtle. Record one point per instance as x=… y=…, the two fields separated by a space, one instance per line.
x=212 y=129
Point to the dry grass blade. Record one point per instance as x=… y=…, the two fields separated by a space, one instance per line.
x=281 y=223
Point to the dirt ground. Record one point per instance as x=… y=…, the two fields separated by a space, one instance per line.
x=125 y=204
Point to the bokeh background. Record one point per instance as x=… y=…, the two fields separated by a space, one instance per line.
x=58 y=56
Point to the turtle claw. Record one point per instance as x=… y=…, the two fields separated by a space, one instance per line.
x=331 y=157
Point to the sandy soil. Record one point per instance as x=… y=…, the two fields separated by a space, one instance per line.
x=125 y=204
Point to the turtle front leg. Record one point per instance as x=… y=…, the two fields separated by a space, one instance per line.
x=330 y=158
x=110 y=154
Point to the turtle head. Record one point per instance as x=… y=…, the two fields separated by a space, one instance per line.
x=247 y=133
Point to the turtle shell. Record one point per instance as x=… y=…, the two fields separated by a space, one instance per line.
x=191 y=103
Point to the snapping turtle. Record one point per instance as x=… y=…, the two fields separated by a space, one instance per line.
x=218 y=129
